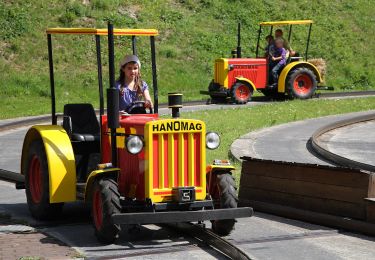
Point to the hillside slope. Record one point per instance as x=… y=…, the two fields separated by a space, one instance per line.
x=192 y=34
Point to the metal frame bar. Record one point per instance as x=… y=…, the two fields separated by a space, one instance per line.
x=257 y=50
x=154 y=74
x=134 y=45
x=52 y=79
x=290 y=32
x=111 y=58
x=239 y=54
x=308 y=42
x=100 y=77
x=180 y=216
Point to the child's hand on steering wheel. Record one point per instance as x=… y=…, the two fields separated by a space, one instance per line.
x=148 y=104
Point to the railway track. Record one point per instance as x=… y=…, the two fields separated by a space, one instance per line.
x=199 y=232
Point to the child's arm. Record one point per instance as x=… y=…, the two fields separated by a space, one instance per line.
x=277 y=58
x=281 y=57
x=148 y=101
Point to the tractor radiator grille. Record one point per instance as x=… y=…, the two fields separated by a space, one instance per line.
x=176 y=160
x=175 y=156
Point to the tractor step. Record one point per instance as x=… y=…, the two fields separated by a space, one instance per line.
x=180 y=216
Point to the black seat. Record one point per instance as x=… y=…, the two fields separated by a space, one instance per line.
x=81 y=123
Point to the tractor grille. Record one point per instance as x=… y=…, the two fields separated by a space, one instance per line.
x=175 y=157
x=221 y=72
x=176 y=160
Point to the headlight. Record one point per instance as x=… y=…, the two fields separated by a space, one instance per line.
x=134 y=144
x=212 y=140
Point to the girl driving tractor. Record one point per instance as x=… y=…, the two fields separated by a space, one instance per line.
x=132 y=88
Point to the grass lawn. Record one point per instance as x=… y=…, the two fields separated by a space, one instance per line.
x=233 y=123
x=193 y=33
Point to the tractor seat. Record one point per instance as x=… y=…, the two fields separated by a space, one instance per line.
x=80 y=123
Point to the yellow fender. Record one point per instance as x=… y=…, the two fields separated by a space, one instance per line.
x=293 y=65
x=95 y=174
x=245 y=80
x=60 y=159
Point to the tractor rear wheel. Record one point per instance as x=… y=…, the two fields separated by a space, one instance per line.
x=105 y=203
x=37 y=184
x=241 y=93
x=228 y=199
x=301 y=83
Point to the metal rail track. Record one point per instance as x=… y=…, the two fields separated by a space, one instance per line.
x=199 y=232
x=335 y=158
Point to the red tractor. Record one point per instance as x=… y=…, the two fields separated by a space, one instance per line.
x=131 y=169
x=237 y=78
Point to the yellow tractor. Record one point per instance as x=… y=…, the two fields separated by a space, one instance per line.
x=134 y=168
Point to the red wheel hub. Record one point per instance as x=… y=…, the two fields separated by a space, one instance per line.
x=302 y=84
x=243 y=92
x=97 y=210
x=36 y=179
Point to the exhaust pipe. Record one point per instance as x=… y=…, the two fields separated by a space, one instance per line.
x=239 y=41
x=175 y=102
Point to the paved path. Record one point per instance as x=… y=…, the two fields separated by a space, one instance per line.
x=289 y=142
x=263 y=236
x=355 y=142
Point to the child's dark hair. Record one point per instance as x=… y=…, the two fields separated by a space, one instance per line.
x=269 y=37
x=137 y=82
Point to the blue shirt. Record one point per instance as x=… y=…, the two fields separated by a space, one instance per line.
x=128 y=96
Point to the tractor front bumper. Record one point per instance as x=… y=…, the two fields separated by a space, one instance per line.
x=180 y=216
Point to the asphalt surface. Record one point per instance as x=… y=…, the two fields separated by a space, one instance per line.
x=290 y=142
x=355 y=142
x=262 y=236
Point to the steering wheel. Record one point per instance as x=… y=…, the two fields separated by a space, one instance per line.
x=138 y=107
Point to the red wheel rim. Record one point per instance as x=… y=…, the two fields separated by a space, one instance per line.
x=243 y=93
x=35 y=179
x=302 y=84
x=97 y=210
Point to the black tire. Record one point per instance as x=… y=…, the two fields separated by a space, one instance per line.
x=273 y=94
x=301 y=83
x=212 y=87
x=37 y=184
x=241 y=93
x=105 y=203
x=228 y=199
x=218 y=100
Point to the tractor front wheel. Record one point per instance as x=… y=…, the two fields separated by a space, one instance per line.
x=228 y=199
x=37 y=184
x=301 y=83
x=105 y=203
x=241 y=93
